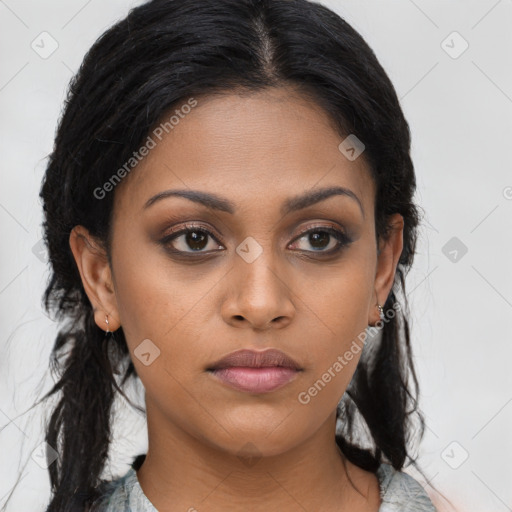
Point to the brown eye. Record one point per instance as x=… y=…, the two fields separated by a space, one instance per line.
x=324 y=240
x=319 y=239
x=196 y=240
x=191 y=239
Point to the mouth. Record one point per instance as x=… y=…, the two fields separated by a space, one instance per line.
x=255 y=372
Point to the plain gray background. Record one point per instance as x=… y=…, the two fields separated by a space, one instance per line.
x=459 y=106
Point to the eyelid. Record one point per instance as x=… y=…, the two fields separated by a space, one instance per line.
x=319 y=227
x=343 y=239
x=195 y=225
x=189 y=226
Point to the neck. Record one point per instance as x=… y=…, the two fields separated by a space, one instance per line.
x=183 y=472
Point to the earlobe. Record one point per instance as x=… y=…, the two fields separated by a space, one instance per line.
x=95 y=272
x=388 y=255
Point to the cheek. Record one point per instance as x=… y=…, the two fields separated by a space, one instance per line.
x=168 y=308
x=150 y=294
x=341 y=302
x=336 y=332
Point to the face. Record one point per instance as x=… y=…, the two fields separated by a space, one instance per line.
x=265 y=263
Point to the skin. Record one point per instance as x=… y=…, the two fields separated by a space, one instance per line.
x=256 y=151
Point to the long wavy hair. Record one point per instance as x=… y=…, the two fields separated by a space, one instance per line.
x=162 y=53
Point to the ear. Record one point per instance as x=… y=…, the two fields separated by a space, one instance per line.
x=389 y=253
x=95 y=272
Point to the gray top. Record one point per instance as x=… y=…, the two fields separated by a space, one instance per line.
x=399 y=491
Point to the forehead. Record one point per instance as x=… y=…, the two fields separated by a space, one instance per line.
x=257 y=147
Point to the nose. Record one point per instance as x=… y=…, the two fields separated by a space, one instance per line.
x=258 y=295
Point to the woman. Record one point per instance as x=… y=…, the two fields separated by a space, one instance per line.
x=229 y=217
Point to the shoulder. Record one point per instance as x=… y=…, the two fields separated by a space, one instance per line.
x=122 y=495
x=113 y=495
x=400 y=491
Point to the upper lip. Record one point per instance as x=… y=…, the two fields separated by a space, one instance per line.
x=255 y=359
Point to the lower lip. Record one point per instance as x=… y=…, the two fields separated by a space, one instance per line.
x=255 y=380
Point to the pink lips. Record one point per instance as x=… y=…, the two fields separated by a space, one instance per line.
x=256 y=380
x=256 y=372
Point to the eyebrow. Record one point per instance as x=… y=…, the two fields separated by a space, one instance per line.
x=292 y=204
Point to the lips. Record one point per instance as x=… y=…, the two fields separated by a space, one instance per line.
x=255 y=372
x=255 y=359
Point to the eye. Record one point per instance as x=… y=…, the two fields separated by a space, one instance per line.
x=191 y=239
x=322 y=237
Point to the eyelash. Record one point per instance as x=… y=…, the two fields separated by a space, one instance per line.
x=342 y=238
